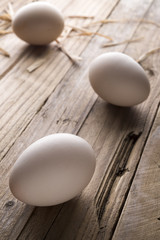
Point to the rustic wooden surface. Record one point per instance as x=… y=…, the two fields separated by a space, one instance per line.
x=123 y=199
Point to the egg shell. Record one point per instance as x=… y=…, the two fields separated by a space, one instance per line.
x=38 y=23
x=52 y=170
x=119 y=79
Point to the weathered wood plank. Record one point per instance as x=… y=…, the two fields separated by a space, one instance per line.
x=115 y=128
x=147 y=226
x=82 y=212
x=23 y=94
x=17 y=48
x=141 y=214
x=13 y=227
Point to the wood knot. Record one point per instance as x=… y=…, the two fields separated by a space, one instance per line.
x=121 y=171
x=118 y=167
x=9 y=204
x=66 y=120
x=150 y=71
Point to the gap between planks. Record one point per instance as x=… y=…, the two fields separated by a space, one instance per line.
x=140 y=213
x=135 y=171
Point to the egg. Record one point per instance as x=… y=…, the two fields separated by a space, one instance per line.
x=119 y=79
x=52 y=170
x=38 y=23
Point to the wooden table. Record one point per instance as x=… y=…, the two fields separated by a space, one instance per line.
x=43 y=92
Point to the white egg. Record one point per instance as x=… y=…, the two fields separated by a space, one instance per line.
x=38 y=23
x=118 y=79
x=52 y=170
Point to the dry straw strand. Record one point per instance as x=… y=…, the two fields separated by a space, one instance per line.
x=72 y=58
x=4 y=52
x=8 y=15
x=35 y=65
x=65 y=34
x=4 y=32
x=106 y=21
x=147 y=54
x=5 y=17
x=80 y=16
x=122 y=42
x=88 y=33
x=149 y=22
x=10 y=10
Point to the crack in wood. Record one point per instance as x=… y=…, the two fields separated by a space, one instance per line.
x=121 y=171
x=116 y=169
x=9 y=204
x=150 y=71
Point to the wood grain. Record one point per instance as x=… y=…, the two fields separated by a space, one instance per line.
x=141 y=214
x=12 y=44
x=47 y=101
x=23 y=88
x=111 y=130
x=23 y=94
